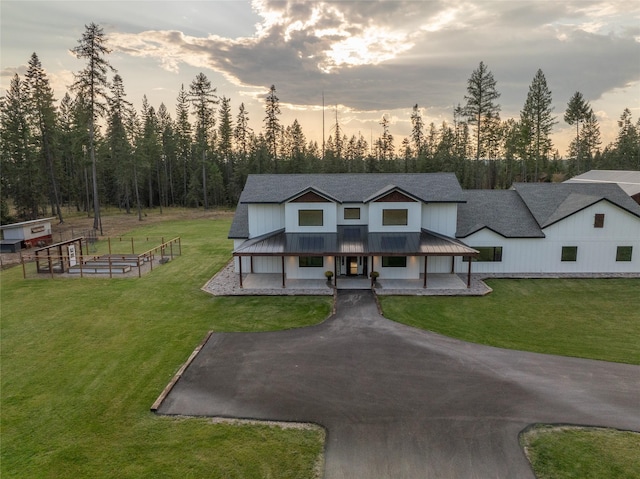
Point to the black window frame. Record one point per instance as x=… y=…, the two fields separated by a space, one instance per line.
x=488 y=254
x=388 y=261
x=388 y=213
x=598 y=220
x=624 y=253
x=351 y=209
x=309 y=261
x=569 y=254
x=311 y=213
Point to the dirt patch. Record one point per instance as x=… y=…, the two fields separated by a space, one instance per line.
x=116 y=223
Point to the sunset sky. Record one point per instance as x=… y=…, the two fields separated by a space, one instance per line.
x=370 y=58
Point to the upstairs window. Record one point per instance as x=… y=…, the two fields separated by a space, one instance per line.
x=352 y=213
x=395 y=217
x=598 y=221
x=624 y=253
x=310 y=217
x=569 y=253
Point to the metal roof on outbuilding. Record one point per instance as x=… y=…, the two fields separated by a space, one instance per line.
x=628 y=180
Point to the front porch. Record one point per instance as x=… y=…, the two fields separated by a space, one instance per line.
x=226 y=283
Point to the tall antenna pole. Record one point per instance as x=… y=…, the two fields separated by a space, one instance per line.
x=322 y=126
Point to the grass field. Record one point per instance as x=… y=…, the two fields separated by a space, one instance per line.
x=584 y=453
x=587 y=318
x=84 y=359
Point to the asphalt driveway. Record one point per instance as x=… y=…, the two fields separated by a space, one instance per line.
x=399 y=402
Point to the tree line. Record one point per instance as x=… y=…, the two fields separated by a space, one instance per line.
x=93 y=148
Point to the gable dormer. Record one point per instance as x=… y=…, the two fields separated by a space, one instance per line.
x=311 y=211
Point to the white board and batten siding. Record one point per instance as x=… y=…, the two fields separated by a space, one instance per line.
x=414 y=217
x=329 y=217
x=265 y=218
x=440 y=217
x=596 y=247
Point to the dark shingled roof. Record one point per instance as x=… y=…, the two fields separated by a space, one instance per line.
x=552 y=202
x=344 y=188
x=501 y=211
x=353 y=187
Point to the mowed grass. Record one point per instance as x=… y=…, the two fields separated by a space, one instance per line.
x=84 y=359
x=587 y=318
x=582 y=453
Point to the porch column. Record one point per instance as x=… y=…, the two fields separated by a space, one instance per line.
x=424 y=284
x=335 y=272
x=251 y=263
x=469 y=274
x=453 y=264
x=240 y=264
x=283 y=284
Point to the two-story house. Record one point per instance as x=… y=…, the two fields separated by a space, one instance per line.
x=400 y=225
x=406 y=226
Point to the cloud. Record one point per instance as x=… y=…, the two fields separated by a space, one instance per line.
x=383 y=55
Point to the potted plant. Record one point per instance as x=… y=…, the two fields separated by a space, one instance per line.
x=328 y=275
x=374 y=276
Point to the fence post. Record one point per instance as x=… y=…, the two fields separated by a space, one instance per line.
x=171 y=249
x=132 y=251
x=81 y=261
x=50 y=265
x=109 y=242
x=110 y=274
x=180 y=245
x=24 y=271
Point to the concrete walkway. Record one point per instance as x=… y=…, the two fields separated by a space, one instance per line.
x=399 y=402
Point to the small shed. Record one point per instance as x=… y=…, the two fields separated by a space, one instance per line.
x=27 y=233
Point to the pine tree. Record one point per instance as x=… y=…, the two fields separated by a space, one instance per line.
x=577 y=111
x=417 y=131
x=537 y=121
x=183 y=139
x=272 y=124
x=21 y=171
x=118 y=141
x=480 y=109
x=203 y=98
x=91 y=83
x=42 y=111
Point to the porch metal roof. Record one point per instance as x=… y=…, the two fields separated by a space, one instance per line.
x=354 y=240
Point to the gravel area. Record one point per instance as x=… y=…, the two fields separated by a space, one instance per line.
x=225 y=283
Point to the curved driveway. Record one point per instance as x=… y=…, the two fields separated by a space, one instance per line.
x=399 y=402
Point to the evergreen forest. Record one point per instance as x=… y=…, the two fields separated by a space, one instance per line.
x=91 y=148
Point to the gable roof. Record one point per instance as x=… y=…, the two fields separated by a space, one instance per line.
x=501 y=211
x=352 y=187
x=552 y=202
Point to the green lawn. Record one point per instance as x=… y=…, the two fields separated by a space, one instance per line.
x=84 y=359
x=588 y=318
x=582 y=453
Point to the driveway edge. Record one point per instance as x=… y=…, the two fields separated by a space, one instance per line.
x=156 y=405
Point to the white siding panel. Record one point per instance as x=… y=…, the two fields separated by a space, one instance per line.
x=596 y=246
x=440 y=217
x=415 y=266
x=364 y=214
x=329 y=219
x=414 y=216
x=294 y=271
x=265 y=264
x=265 y=219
